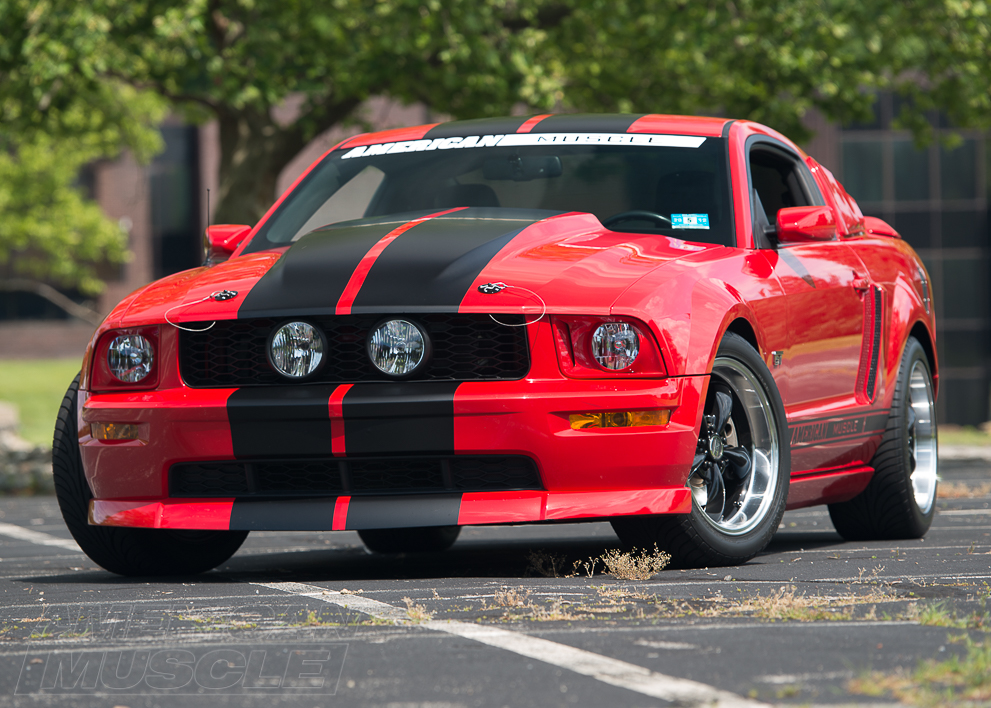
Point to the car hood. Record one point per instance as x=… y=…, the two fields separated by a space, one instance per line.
x=423 y=263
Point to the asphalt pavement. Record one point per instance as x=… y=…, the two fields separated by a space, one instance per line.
x=504 y=618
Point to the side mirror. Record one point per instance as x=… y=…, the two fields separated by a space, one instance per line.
x=222 y=240
x=806 y=223
x=878 y=227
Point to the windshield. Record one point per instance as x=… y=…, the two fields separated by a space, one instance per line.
x=668 y=184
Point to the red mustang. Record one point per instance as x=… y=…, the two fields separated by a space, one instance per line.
x=682 y=325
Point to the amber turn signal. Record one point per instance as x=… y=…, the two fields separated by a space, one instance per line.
x=114 y=431
x=619 y=419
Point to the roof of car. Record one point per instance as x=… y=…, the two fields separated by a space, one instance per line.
x=550 y=123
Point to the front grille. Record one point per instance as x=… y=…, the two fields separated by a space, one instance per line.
x=353 y=476
x=465 y=348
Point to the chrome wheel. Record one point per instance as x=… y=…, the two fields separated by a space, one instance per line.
x=734 y=473
x=922 y=437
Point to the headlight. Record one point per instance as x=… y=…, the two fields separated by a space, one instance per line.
x=130 y=358
x=397 y=347
x=296 y=350
x=615 y=345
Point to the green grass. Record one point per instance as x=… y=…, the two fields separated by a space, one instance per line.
x=962 y=435
x=36 y=387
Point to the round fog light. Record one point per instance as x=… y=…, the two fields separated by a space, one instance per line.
x=615 y=345
x=397 y=347
x=130 y=358
x=296 y=350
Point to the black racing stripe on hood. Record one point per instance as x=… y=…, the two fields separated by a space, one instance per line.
x=311 y=276
x=480 y=126
x=615 y=123
x=431 y=267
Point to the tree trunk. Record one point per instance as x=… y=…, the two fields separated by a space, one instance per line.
x=253 y=151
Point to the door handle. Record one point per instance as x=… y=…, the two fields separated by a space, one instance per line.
x=861 y=285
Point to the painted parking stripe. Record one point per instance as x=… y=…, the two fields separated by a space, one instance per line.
x=42 y=539
x=601 y=668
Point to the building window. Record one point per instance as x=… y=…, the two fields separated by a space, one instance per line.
x=937 y=199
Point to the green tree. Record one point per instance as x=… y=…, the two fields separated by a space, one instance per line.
x=49 y=231
x=238 y=61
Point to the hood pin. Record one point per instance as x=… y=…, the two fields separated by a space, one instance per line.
x=491 y=288
x=224 y=295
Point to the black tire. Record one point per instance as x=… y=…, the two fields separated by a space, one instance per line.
x=692 y=539
x=428 y=539
x=126 y=551
x=888 y=507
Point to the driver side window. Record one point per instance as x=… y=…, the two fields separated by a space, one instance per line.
x=779 y=181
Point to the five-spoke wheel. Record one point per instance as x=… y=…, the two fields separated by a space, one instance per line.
x=739 y=474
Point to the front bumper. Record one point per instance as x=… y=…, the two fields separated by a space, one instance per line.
x=592 y=473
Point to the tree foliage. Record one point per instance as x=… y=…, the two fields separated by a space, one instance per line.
x=241 y=61
x=48 y=229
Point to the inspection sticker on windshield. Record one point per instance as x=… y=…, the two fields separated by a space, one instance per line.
x=689 y=221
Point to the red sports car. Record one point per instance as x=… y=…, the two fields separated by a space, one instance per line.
x=682 y=325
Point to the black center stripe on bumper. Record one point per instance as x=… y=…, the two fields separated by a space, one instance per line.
x=402 y=417
x=294 y=421
x=362 y=513
x=281 y=421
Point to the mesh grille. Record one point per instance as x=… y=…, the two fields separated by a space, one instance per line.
x=465 y=348
x=391 y=475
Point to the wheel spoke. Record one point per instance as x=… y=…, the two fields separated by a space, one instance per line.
x=724 y=407
x=740 y=465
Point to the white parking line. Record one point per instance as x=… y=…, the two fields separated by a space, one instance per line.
x=601 y=668
x=42 y=539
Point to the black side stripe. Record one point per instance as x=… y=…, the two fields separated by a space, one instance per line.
x=311 y=276
x=430 y=267
x=281 y=421
x=403 y=417
x=830 y=430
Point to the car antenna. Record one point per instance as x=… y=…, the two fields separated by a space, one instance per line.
x=208 y=208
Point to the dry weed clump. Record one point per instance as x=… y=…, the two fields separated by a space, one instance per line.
x=417 y=613
x=635 y=566
x=962 y=490
x=787 y=604
x=512 y=597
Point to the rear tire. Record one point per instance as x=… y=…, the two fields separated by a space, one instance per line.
x=126 y=551
x=899 y=501
x=735 y=527
x=428 y=539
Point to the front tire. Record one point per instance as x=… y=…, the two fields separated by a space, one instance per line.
x=739 y=477
x=428 y=539
x=899 y=501
x=126 y=551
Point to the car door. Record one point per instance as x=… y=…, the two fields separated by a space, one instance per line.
x=823 y=285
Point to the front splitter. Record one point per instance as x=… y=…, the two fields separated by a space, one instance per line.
x=377 y=512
